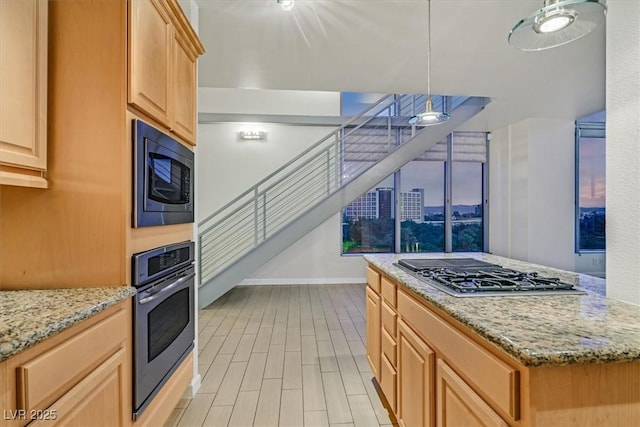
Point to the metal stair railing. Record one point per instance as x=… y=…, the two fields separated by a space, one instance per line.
x=316 y=173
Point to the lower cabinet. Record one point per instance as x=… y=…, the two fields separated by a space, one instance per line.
x=388 y=381
x=373 y=331
x=458 y=405
x=96 y=400
x=80 y=377
x=428 y=371
x=415 y=379
x=433 y=371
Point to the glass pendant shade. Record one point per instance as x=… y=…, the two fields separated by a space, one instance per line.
x=429 y=117
x=557 y=23
x=286 y=4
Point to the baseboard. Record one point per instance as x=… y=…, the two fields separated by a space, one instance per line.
x=306 y=281
x=193 y=388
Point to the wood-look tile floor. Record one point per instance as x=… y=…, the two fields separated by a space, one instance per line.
x=284 y=356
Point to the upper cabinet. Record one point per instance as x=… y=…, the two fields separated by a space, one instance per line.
x=23 y=89
x=162 y=65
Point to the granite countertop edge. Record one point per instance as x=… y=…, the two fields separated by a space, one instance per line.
x=557 y=354
x=29 y=317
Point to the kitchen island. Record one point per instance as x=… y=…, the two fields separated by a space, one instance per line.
x=501 y=360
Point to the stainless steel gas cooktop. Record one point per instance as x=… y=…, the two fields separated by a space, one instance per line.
x=468 y=277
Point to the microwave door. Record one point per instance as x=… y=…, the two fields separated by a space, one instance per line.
x=163 y=179
x=169 y=180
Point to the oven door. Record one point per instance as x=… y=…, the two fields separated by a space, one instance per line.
x=163 y=333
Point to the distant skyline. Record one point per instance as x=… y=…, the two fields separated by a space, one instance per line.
x=467 y=182
x=429 y=175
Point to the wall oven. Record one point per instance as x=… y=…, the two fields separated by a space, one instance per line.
x=163 y=178
x=163 y=317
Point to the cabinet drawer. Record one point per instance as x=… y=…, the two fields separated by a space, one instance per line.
x=495 y=379
x=373 y=279
x=389 y=291
x=389 y=347
x=459 y=405
x=388 y=382
x=47 y=377
x=96 y=398
x=389 y=318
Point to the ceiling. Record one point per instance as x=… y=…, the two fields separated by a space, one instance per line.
x=380 y=46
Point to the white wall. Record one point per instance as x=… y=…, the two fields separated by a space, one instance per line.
x=252 y=101
x=623 y=150
x=531 y=195
x=226 y=167
x=314 y=259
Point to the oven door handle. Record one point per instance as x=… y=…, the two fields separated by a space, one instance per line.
x=167 y=288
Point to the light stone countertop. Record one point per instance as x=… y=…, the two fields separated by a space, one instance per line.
x=537 y=330
x=28 y=317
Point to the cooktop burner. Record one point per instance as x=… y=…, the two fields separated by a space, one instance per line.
x=467 y=277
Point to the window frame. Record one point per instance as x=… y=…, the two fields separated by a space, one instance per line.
x=448 y=231
x=597 y=130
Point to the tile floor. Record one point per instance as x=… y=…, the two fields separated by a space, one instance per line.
x=284 y=356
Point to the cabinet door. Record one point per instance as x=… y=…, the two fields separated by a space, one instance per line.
x=150 y=46
x=23 y=89
x=416 y=400
x=373 y=332
x=184 y=89
x=459 y=405
x=95 y=401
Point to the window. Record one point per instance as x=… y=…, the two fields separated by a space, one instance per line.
x=368 y=222
x=422 y=201
x=467 y=230
x=590 y=183
x=438 y=212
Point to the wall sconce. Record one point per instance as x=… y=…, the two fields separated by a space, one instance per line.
x=252 y=135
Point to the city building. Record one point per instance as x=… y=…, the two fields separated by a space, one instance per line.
x=379 y=204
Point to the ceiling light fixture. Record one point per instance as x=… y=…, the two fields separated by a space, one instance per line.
x=557 y=23
x=286 y=4
x=429 y=117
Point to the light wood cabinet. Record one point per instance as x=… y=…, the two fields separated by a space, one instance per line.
x=150 y=47
x=388 y=359
x=78 y=233
x=23 y=92
x=80 y=377
x=162 y=66
x=95 y=401
x=415 y=379
x=373 y=331
x=449 y=376
x=495 y=379
x=184 y=86
x=458 y=405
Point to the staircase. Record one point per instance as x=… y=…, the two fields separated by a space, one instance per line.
x=266 y=219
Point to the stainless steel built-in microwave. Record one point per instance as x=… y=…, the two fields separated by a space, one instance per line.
x=162 y=178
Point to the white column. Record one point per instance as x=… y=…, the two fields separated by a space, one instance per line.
x=623 y=150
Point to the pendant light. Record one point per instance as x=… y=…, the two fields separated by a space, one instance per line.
x=286 y=4
x=557 y=23
x=429 y=117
